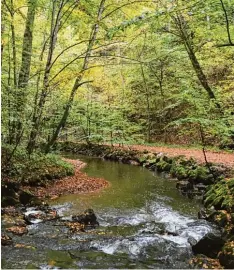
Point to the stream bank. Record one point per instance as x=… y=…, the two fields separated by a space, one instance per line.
x=155 y=223
x=79 y=182
x=143 y=223
x=210 y=183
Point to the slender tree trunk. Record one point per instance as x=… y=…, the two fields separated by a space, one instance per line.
x=186 y=39
x=14 y=54
x=27 y=45
x=25 y=66
x=148 y=105
x=36 y=121
x=79 y=78
x=12 y=89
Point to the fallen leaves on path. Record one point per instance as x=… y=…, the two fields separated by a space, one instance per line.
x=226 y=159
x=80 y=182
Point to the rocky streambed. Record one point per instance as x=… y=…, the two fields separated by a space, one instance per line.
x=141 y=221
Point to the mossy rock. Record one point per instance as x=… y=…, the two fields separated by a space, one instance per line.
x=142 y=159
x=220 y=195
x=167 y=159
x=163 y=166
x=151 y=161
x=179 y=171
x=200 y=175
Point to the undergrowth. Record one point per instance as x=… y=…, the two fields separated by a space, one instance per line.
x=35 y=169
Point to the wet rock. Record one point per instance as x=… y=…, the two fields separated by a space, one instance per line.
x=18 y=230
x=184 y=185
x=166 y=232
x=149 y=163
x=87 y=218
x=38 y=216
x=209 y=245
x=201 y=187
x=133 y=162
x=195 y=194
x=202 y=214
x=34 y=216
x=6 y=240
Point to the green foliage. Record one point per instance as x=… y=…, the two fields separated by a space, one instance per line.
x=142 y=85
x=220 y=195
x=35 y=169
x=162 y=165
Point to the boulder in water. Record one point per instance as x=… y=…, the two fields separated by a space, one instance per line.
x=38 y=216
x=184 y=185
x=88 y=218
x=209 y=245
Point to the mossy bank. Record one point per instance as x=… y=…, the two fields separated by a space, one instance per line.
x=21 y=170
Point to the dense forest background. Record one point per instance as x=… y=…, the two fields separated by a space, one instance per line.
x=117 y=71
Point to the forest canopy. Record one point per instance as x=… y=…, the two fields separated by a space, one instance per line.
x=117 y=71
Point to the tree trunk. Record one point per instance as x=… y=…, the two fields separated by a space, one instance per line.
x=36 y=121
x=148 y=137
x=78 y=82
x=25 y=65
x=186 y=39
x=27 y=45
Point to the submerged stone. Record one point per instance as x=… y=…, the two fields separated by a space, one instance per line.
x=87 y=218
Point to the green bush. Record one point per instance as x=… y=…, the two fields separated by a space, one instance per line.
x=34 y=169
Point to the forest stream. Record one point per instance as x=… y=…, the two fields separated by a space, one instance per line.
x=144 y=223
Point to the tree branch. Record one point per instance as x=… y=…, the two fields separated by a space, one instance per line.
x=227 y=26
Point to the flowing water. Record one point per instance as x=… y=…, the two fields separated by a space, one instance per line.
x=144 y=223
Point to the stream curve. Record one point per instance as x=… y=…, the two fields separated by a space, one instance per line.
x=144 y=223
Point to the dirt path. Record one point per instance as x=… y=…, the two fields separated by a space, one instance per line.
x=80 y=182
x=226 y=159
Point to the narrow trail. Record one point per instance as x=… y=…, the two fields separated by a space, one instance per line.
x=226 y=159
